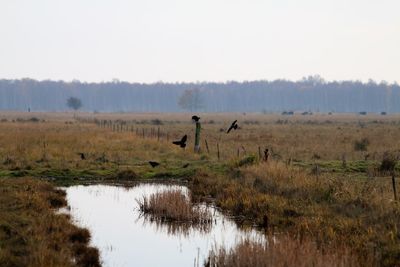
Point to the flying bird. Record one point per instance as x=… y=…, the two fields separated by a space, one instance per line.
x=195 y=118
x=154 y=163
x=233 y=126
x=182 y=142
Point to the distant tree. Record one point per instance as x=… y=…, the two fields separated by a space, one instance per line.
x=74 y=103
x=191 y=100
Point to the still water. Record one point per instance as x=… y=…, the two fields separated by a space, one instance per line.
x=126 y=238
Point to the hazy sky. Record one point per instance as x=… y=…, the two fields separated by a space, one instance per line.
x=198 y=40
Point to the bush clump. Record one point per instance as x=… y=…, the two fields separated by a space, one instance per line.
x=388 y=163
x=127 y=175
x=361 y=145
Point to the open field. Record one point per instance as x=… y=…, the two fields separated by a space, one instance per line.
x=322 y=180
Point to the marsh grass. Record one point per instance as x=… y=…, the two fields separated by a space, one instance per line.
x=280 y=252
x=345 y=202
x=174 y=206
x=331 y=210
x=32 y=234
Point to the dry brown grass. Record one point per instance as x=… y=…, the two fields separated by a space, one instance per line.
x=282 y=252
x=303 y=138
x=333 y=210
x=173 y=206
x=337 y=205
x=31 y=234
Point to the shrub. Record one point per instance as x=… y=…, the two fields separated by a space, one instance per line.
x=361 y=145
x=156 y=122
x=246 y=161
x=34 y=119
x=388 y=163
x=127 y=175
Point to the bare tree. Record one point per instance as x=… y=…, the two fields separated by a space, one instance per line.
x=191 y=100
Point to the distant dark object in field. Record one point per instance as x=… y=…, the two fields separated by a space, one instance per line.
x=306 y=113
x=329 y=113
x=383 y=113
x=362 y=113
x=266 y=154
x=154 y=163
x=195 y=118
x=156 y=122
x=233 y=126
x=186 y=165
x=288 y=113
x=102 y=158
x=361 y=145
x=182 y=142
x=265 y=223
x=388 y=163
x=83 y=157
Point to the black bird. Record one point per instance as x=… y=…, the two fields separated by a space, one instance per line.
x=233 y=126
x=195 y=118
x=82 y=156
x=186 y=165
x=182 y=142
x=154 y=163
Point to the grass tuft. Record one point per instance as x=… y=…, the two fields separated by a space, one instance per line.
x=173 y=206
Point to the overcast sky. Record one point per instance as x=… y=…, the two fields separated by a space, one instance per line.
x=199 y=40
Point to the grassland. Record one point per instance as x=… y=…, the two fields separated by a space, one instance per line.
x=319 y=182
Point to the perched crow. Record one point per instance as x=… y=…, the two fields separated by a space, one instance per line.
x=195 y=118
x=154 y=163
x=82 y=156
x=186 y=165
x=182 y=142
x=233 y=126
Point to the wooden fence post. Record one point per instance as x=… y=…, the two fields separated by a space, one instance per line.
x=208 y=151
x=197 y=137
x=394 y=186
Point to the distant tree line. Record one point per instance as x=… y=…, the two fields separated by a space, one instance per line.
x=311 y=94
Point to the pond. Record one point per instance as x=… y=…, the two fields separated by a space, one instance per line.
x=127 y=238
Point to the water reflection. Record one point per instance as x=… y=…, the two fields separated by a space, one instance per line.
x=127 y=238
x=173 y=228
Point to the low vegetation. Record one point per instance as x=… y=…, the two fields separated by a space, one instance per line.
x=280 y=252
x=333 y=210
x=327 y=178
x=33 y=234
x=173 y=206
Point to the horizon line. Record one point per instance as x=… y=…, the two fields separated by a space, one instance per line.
x=316 y=78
